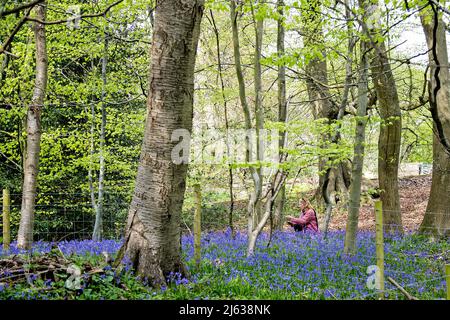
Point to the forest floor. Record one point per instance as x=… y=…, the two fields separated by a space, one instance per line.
x=414 y=193
x=295 y=266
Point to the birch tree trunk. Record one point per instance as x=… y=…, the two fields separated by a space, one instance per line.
x=31 y=163
x=153 y=234
x=436 y=221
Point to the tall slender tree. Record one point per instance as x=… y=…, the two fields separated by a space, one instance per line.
x=335 y=181
x=389 y=141
x=358 y=157
x=227 y=124
x=282 y=109
x=31 y=163
x=257 y=215
x=97 y=204
x=153 y=234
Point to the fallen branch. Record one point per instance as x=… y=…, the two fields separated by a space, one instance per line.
x=399 y=287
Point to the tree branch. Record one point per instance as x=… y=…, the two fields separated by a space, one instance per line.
x=15 y=30
x=92 y=15
x=20 y=8
x=441 y=7
x=399 y=287
x=12 y=161
x=433 y=92
x=26 y=17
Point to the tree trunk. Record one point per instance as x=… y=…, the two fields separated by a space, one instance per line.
x=339 y=176
x=97 y=234
x=254 y=204
x=254 y=209
x=259 y=117
x=439 y=70
x=4 y=65
x=320 y=97
x=153 y=234
x=358 y=157
x=389 y=141
x=282 y=112
x=436 y=221
x=197 y=223
x=225 y=107
x=277 y=184
x=25 y=235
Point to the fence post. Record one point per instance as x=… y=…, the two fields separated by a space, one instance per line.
x=447 y=273
x=379 y=246
x=197 y=223
x=6 y=220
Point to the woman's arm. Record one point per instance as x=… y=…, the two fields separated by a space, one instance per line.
x=305 y=219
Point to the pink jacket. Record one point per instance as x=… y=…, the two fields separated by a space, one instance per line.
x=307 y=220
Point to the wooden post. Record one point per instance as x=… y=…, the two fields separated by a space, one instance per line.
x=6 y=220
x=197 y=223
x=379 y=246
x=447 y=273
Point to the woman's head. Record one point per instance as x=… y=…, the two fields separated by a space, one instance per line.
x=304 y=204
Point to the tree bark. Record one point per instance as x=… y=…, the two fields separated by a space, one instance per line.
x=436 y=221
x=253 y=207
x=259 y=116
x=389 y=141
x=439 y=70
x=225 y=108
x=153 y=234
x=4 y=66
x=322 y=104
x=97 y=234
x=31 y=163
x=358 y=157
x=282 y=112
x=197 y=223
x=339 y=176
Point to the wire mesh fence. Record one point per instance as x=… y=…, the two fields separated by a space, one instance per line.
x=70 y=216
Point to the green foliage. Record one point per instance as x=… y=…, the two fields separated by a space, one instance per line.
x=69 y=126
x=76 y=85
